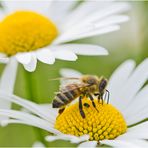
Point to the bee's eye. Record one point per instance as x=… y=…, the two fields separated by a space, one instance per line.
x=102 y=85
x=91 y=81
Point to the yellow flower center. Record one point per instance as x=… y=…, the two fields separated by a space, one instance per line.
x=104 y=122
x=25 y=31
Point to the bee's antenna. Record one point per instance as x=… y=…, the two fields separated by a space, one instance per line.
x=61 y=78
x=108 y=95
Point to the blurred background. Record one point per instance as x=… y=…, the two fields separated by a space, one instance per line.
x=131 y=42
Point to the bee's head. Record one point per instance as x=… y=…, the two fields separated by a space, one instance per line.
x=102 y=84
x=90 y=79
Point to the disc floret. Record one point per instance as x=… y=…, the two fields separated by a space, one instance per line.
x=104 y=123
x=25 y=31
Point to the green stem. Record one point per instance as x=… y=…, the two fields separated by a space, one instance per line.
x=30 y=96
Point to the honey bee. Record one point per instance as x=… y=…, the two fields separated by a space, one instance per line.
x=86 y=86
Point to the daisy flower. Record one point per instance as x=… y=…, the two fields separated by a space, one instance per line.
x=115 y=124
x=40 y=30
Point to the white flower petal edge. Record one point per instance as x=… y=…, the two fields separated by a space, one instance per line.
x=139 y=131
x=134 y=84
x=71 y=138
x=45 y=56
x=31 y=66
x=80 y=49
x=122 y=143
x=1 y=15
x=24 y=58
x=7 y=83
x=30 y=106
x=65 y=55
x=70 y=37
x=98 y=10
x=124 y=71
x=39 y=6
x=3 y=58
x=90 y=144
x=38 y=144
x=133 y=114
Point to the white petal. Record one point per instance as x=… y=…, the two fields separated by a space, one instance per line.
x=119 y=143
x=140 y=143
x=139 y=131
x=141 y=115
x=32 y=107
x=133 y=85
x=90 y=144
x=86 y=49
x=88 y=8
x=58 y=12
x=45 y=56
x=3 y=58
x=65 y=55
x=104 y=9
x=71 y=138
x=81 y=49
x=112 y=9
x=38 y=144
x=118 y=80
x=32 y=65
x=3 y=55
x=112 y=20
x=67 y=37
x=139 y=104
x=66 y=72
x=39 y=6
x=80 y=139
x=2 y=15
x=7 y=82
x=98 y=25
x=24 y=58
x=28 y=119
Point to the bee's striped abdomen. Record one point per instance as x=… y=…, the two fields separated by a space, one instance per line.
x=57 y=103
x=69 y=93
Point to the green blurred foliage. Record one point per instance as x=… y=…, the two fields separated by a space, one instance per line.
x=128 y=43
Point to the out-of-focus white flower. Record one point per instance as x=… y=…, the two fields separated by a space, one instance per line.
x=40 y=30
x=38 y=144
x=7 y=82
x=128 y=95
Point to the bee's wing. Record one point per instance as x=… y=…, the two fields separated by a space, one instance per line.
x=66 y=89
x=66 y=72
x=69 y=81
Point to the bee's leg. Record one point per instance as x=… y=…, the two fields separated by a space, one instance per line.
x=101 y=97
x=96 y=94
x=108 y=95
x=81 y=107
x=61 y=110
x=92 y=101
